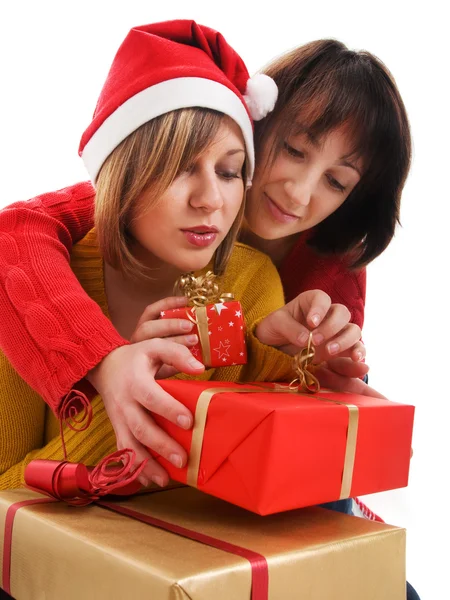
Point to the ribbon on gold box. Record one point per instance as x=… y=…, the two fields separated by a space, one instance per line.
x=184 y=545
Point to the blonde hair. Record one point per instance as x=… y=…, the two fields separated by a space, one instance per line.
x=150 y=159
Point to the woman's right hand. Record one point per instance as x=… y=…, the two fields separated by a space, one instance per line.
x=126 y=381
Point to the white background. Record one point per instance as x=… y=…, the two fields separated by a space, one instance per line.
x=54 y=58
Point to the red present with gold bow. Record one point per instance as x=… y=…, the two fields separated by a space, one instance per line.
x=218 y=321
x=269 y=448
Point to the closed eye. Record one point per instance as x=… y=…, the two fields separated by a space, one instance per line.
x=229 y=175
x=334 y=183
x=293 y=151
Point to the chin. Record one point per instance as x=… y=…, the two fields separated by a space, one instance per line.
x=193 y=263
x=268 y=231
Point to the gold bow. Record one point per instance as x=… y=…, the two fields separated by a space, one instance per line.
x=201 y=290
x=305 y=379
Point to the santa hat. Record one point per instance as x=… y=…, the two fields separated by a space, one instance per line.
x=168 y=66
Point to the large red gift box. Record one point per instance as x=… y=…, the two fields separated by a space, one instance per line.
x=221 y=331
x=269 y=449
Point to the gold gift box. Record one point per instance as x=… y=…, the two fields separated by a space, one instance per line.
x=63 y=552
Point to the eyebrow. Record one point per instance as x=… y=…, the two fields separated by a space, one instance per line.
x=346 y=163
x=315 y=141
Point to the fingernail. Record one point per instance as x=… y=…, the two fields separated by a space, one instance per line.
x=186 y=325
x=302 y=338
x=192 y=339
x=176 y=460
x=158 y=480
x=318 y=338
x=195 y=364
x=315 y=319
x=333 y=348
x=184 y=422
x=145 y=482
x=360 y=356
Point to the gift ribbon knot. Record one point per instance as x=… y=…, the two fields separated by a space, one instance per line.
x=303 y=367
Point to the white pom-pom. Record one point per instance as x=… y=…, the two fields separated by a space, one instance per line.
x=260 y=95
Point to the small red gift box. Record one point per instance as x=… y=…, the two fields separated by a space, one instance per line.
x=218 y=320
x=221 y=331
x=269 y=449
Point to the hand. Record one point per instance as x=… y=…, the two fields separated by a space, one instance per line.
x=125 y=379
x=344 y=375
x=151 y=326
x=289 y=327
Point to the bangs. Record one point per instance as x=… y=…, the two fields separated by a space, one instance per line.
x=170 y=144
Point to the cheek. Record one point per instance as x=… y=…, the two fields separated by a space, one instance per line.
x=233 y=200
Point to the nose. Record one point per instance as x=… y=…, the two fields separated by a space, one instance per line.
x=299 y=191
x=206 y=193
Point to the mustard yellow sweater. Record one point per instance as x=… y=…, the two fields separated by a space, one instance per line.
x=28 y=428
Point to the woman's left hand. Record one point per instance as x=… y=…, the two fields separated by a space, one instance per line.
x=333 y=335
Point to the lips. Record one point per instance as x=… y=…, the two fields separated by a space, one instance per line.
x=202 y=229
x=277 y=213
x=201 y=235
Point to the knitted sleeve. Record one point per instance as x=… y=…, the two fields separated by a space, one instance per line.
x=50 y=330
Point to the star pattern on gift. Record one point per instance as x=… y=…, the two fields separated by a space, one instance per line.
x=237 y=313
x=231 y=324
x=219 y=307
x=194 y=351
x=162 y=313
x=219 y=328
x=222 y=350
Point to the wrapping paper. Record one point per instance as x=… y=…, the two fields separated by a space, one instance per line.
x=221 y=330
x=59 y=551
x=269 y=450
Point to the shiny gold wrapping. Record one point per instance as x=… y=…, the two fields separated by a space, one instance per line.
x=61 y=552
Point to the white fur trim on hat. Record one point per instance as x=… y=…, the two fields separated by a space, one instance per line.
x=260 y=95
x=173 y=94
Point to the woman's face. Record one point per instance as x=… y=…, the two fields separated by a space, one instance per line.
x=196 y=212
x=308 y=181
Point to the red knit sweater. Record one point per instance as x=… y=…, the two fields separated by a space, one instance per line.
x=53 y=333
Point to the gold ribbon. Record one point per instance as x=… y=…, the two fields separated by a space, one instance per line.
x=302 y=366
x=201 y=412
x=200 y=292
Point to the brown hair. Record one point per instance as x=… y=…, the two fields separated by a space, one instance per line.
x=323 y=85
x=151 y=158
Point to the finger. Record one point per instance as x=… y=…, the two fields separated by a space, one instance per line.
x=335 y=320
x=347 y=367
x=165 y=372
x=285 y=330
x=153 y=311
x=172 y=354
x=153 y=471
x=348 y=338
x=161 y=328
x=358 y=352
x=320 y=303
x=147 y=432
x=329 y=379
